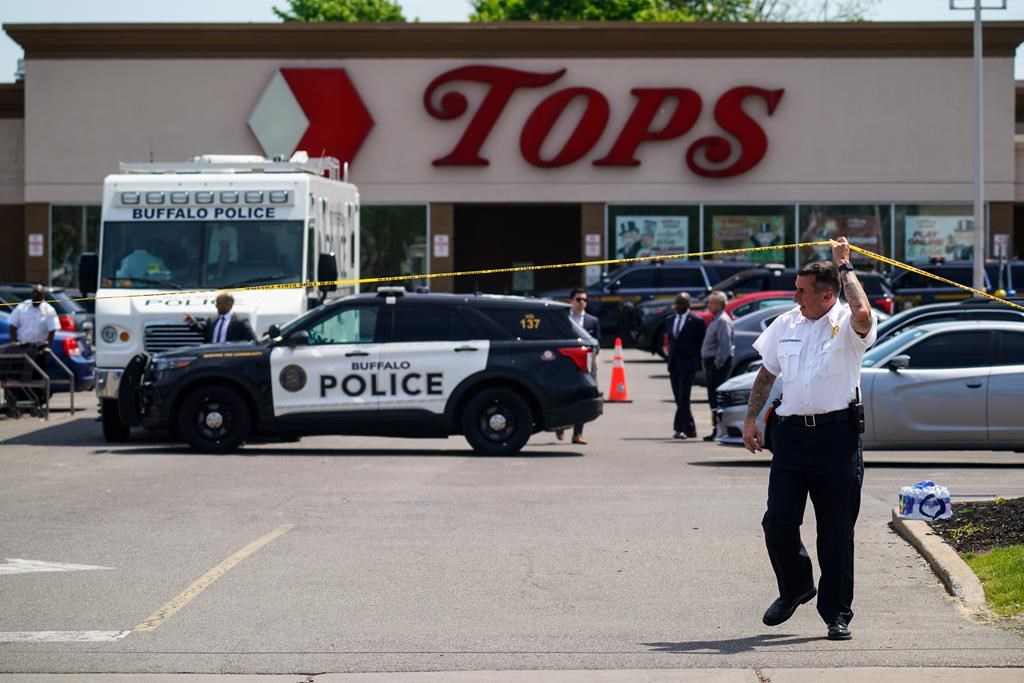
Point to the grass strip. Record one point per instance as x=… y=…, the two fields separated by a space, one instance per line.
x=1001 y=571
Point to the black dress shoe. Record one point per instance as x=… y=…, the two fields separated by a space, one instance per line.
x=691 y=435
x=781 y=610
x=838 y=630
x=709 y=437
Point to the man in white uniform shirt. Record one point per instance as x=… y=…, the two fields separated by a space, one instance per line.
x=34 y=320
x=816 y=348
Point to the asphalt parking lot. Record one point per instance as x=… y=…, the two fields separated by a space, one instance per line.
x=338 y=554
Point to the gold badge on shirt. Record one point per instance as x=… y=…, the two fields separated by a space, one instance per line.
x=835 y=330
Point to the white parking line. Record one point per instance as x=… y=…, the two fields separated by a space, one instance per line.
x=61 y=636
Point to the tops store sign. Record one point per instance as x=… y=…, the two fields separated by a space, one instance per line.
x=319 y=109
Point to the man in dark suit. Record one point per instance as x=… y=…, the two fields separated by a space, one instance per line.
x=686 y=334
x=578 y=314
x=225 y=326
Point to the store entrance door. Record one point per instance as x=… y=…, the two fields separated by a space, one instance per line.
x=505 y=235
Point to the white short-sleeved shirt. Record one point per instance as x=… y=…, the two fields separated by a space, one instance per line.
x=818 y=360
x=34 y=323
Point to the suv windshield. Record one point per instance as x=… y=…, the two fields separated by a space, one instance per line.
x=194 y=254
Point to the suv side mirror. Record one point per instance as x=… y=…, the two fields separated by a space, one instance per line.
x=88 y=273
x=297 y=338
x=273 y=331
x=327 y=269
x=900 y=362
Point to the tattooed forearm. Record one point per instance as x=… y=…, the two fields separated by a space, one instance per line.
x=759 y=393
x=855 y=295
x=860 y=309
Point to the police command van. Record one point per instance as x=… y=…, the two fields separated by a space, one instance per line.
x=217 y=222
x=495 y=369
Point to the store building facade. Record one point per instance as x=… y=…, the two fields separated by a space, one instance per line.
x=478 y=146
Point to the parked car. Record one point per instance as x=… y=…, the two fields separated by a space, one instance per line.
x=777 y=277
x=612 y=299
x=72 y=348
x=647 y=322
x=937 y=386
x=913 y=289
x=975 y=308
x=72 y=315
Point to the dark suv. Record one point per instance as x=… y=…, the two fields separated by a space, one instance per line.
x=495 y=369
x=612 y=299
x=913 y=289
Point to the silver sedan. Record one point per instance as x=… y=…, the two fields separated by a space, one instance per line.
x=938 y=386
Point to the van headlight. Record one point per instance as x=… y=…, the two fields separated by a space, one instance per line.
x=109 y=334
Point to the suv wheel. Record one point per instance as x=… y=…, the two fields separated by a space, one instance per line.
x=114 y=431
x=497 y=422
x=214 y=419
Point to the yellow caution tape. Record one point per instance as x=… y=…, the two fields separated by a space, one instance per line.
x=550 y=266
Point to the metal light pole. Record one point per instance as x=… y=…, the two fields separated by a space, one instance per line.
x=979 y=141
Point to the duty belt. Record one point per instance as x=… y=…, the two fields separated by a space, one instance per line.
x=816 y=420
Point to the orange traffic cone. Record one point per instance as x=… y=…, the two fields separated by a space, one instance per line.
x=618 y=392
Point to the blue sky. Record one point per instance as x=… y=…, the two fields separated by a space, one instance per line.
x=73 y=11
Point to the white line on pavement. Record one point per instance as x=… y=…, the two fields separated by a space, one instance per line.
x=61 y=636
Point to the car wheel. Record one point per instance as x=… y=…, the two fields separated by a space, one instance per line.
x=214 y=419
x=114 y=430
x=497 y=422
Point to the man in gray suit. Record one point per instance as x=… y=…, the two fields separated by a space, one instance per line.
x=716 y=352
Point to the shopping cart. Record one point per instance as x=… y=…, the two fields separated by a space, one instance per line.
x=26 y=386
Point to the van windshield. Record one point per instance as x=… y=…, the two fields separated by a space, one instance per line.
x=200 y=254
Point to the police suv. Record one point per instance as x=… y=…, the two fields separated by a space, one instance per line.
x=495 y=369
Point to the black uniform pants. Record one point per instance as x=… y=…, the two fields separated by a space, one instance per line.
x=682 y=385
x=825 y=462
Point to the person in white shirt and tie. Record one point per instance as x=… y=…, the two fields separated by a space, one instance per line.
x=225 y=326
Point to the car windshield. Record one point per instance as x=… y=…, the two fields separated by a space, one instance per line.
x=877 y=354
x=195 y=254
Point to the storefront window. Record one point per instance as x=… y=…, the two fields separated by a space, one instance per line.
x=926 y=233
x=741 y=227
x=648 y=230
x=393 y=241
x=73 y=230
x=865 y=225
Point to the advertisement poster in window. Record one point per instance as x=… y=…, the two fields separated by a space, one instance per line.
x=948 y=237
x=861 y=230
x=740 y=232
x=639 y=236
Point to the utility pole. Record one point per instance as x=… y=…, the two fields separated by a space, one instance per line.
x=980 y=229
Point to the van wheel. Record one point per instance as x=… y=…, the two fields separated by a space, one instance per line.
x=114 y=431
x=214 y=419
x=497 y=422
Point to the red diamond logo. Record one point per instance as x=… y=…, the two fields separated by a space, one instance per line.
x=316 y=110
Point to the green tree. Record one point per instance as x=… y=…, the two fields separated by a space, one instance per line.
x=670 y=10
x=611 y=10
x=341 y=10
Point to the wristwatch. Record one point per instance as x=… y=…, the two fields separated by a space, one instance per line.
x=846 y=265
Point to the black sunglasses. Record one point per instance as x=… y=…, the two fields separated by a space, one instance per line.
x=581 y=298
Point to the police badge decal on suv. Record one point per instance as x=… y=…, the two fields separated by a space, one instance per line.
x=495 y=369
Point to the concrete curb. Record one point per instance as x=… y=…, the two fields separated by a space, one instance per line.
x=954 y=573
